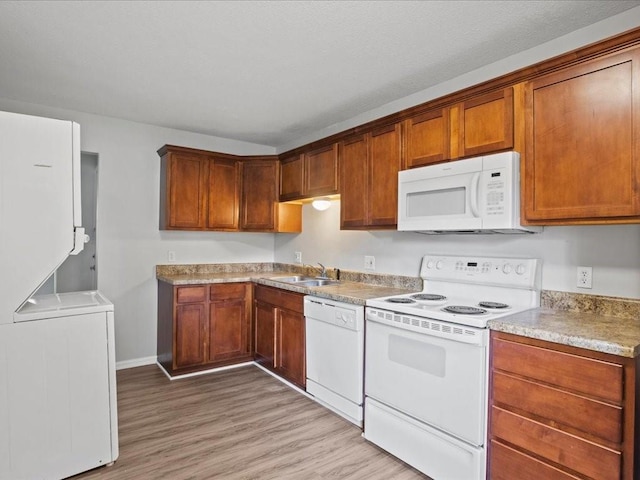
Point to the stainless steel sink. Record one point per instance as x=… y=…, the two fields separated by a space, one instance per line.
x=292 y=279
x=317 y=282
x=306 y=281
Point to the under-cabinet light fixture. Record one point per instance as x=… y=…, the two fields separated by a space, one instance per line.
x=321 y=203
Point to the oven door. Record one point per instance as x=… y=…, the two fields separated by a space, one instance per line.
x=440 y=197
x=439 y=381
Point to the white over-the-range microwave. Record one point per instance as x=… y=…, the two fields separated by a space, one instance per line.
x=476 y=195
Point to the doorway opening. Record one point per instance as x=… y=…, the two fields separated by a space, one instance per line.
x=80 y=272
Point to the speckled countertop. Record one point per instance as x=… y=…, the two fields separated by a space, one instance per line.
x=602 y=324
x=354 y=287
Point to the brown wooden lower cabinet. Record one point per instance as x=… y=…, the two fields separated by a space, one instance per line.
x=203 y=326
x=190 y=330
x=265 y=328
x=290 y=345
x=280 y=333
x=559 y=412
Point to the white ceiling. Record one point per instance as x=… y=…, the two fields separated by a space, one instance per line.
x=267 y=72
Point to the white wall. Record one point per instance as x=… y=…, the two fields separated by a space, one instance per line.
x=612 y=251
x=129 y=242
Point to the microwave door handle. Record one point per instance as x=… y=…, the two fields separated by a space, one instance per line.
x=474 y=194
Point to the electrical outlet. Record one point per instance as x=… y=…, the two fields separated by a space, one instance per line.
x=585 y=277
x=171 y=256
x=298 y=257
x=369 y=262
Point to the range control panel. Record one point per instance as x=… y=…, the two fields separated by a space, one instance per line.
x=516 y=272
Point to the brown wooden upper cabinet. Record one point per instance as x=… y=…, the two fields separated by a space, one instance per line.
x=202 y=190
x=199 y=190
x=223 y=192
x=310 y=174
x=485 y=124
x=259 y=199
x=480 y=125
x=369 y=166
x=582 y=162
x=427 y=138
x=260 y=210
x=292 y=178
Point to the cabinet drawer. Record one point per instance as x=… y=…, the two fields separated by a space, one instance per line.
x=579 y=374
x=584 y=457
x=509 y=464
x=227 y=291
x=280 y=298
x=267 y=294
x=191 y=294
x=590 y=416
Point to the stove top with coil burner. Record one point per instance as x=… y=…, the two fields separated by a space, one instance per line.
x=469 y=290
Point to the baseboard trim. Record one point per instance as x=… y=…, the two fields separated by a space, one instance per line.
x=202 y=372
x=136 y=362
x=140 y=362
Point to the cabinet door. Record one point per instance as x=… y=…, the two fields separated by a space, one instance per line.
x=486 y=123
x=427 y=138
x=321 y=171
x=353 y=183
x=265 y=322
x=187 y=191
x=224 y=181
x=190 y=325
x=228 y=322
x=290 y=346
x=582 y=128
x=259 y=195
x=292 y=178
x=385 y=160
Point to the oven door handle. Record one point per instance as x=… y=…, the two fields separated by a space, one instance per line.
x=474 y=194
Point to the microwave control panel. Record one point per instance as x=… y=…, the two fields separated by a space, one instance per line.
x=495 y=186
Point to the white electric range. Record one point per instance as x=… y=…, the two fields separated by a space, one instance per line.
x=427 y=361
x=469 y=290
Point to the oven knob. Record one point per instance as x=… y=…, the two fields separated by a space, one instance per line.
x=520 y=269
x=430 y=264
x=440 y=264
x=506 y=268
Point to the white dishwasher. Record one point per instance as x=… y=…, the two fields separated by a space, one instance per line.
x=335 y=355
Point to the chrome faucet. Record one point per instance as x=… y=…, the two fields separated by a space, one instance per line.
x=322 y=269
x=323 y=272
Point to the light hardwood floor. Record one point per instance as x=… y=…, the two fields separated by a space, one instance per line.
x=237 y=424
